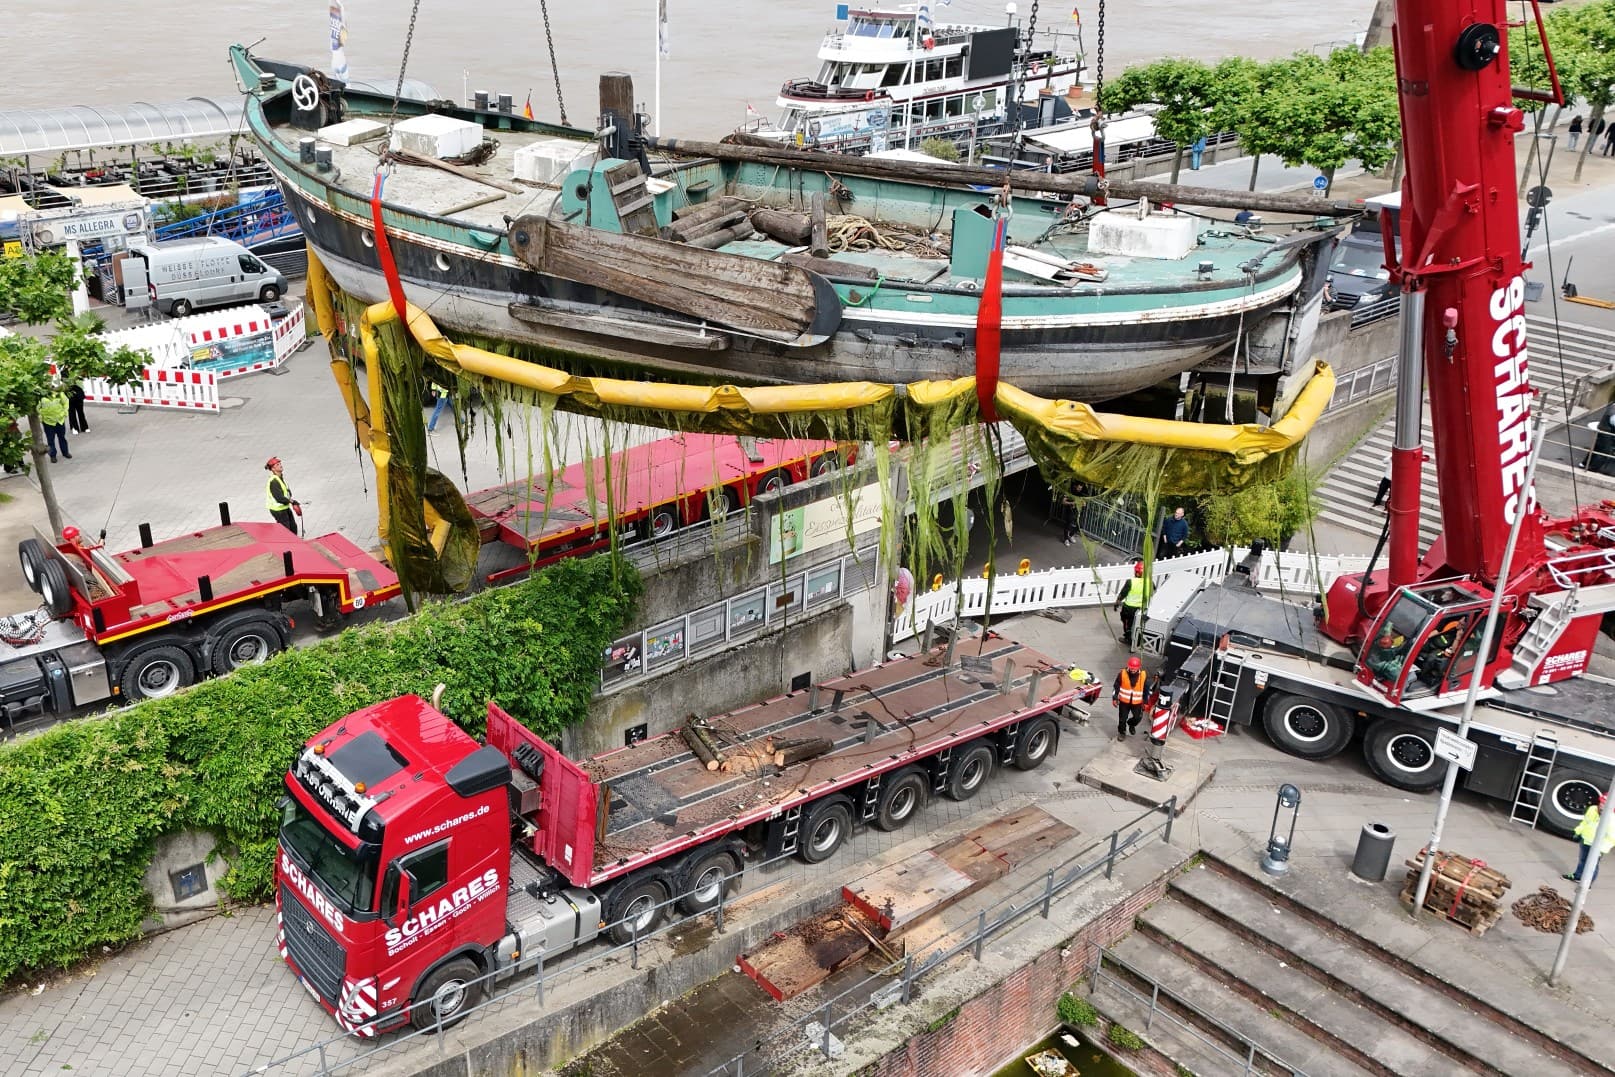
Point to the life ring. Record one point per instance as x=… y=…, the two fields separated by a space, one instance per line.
x=869 y=95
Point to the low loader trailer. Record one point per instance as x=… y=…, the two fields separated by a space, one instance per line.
x=416 y=865
x=147 y=622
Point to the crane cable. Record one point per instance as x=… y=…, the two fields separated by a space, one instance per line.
x=1558 y=328
x=555 y=69
x=403 y=65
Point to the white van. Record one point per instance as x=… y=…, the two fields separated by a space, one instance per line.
x=186 y=274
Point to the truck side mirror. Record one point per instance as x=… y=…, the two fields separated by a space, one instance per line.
x=406 y=893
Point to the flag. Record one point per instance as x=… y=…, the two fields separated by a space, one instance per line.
x=1076 y=17
x=527 y=109
x=751 y=111
x=339 y=42
x=661 y=30
x=924 y=19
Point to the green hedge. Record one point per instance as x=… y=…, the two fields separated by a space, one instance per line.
x=83 y=804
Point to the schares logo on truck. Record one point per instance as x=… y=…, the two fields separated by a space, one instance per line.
x=429 y=918
x=320 y=902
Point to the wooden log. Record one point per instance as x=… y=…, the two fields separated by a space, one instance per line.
x=684 y=233
x=702 y=752
x=698 y=729
x=792 y=229
x=701 y=211
x=828 y=267
x=712 y=241
x=815 y=746
x=818 y=246
x=950 y=175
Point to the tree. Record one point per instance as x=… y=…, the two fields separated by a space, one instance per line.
x=1185 y=91
x=37 y=289
x=1582 y=41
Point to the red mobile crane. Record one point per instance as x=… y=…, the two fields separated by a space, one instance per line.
x=1395 y=652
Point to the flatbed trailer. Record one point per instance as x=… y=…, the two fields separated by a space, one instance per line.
x=147 y=622
x=1239 y=657
x=416 y=867
x=656 y=488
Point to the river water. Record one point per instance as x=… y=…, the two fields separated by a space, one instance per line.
x=723 y=53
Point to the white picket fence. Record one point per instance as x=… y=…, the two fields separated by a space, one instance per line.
x=1065 y=588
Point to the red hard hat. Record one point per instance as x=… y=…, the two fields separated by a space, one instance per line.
x=1134 y=664
x=1138 y=569
x=271 y=463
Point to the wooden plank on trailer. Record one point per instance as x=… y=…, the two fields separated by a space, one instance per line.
x=806 y=955
x=901 y=895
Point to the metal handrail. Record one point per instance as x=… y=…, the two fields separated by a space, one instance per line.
x=1252 y=1047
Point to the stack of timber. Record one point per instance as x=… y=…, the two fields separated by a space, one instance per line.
x=879 y=907
x=711 y=224
x=1463 y=890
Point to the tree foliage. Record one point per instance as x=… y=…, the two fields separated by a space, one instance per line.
x=83 y=804
x=1185 y=93
x=37 y=289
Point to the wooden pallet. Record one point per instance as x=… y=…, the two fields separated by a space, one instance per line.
x=1463 y=890
x=808 y=954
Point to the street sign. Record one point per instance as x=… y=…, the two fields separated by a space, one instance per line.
x=1537 y=197
x=1320 y=183
x=1456 y=749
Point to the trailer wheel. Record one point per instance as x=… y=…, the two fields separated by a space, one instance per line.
x=635 y=906
x=31 y=552
x=54 y=590
x=250 y=641
x=773 y=483
x=1403 y=756
x=1569 y=795
x=824 y=829
x=970 y=771
x=157 y=672
x=901 y=799
x=703 y=883
x=824 y=465
x=181 y=308
x=269 y=293
x=663 y=521
x=1036 y=743
x=443 y=998
x=1309 y=728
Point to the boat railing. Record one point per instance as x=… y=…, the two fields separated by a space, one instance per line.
x=818 y=91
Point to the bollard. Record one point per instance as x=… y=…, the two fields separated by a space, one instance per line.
x=1373 y=858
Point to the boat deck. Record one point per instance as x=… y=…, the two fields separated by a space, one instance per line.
x=465 y=200
x=659 y=791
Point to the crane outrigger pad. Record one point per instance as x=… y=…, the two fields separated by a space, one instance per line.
x=766 y=299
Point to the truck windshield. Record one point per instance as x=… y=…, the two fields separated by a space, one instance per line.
x=1360 y=260
x=347 y=875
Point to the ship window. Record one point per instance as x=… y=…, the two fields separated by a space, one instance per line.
x=933 y=70
x=886 y=30
x=933 y=109
x=953 y=67
x=956 y=106
x=894 y=76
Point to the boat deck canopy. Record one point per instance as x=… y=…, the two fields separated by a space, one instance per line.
x=51 y=131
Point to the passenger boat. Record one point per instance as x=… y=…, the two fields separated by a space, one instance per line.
x=891 y=78
x=524 y=232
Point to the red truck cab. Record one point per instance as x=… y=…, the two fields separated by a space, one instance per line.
x=395 y=830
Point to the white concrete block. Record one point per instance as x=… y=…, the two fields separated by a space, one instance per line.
x=1159 y=235
x=436 y=136
x=352 y=132
x=548 y=160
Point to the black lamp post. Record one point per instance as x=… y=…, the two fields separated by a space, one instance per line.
x=1276 y=861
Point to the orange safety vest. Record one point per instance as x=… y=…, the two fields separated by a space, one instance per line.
x=1131 y=692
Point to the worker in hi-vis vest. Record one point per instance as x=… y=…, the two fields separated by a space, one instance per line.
x=1127 y=695
x=278 y=497
x=1134 y=596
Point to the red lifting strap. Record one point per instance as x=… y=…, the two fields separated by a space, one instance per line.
x=989 y=326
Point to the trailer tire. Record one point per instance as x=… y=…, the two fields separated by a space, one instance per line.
x=1566 y=800
x=825 y=465
x=970 y=771
x=155 y=672
x=635 y=904
x=773 y=482
x=31 y=552
x=1403 y=756
x=706 y=879
x=901 y=798
x=53 y=588
x=246 y=640
x=1308 y=728
x=1036 y=743
x=663 y=521
x=180 y=308
x=825 y=828
x=447 y=993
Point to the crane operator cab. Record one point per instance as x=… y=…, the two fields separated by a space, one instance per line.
x=1423 y=646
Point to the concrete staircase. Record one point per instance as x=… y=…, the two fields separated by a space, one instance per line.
x=1253 y=978
x=1348 y=489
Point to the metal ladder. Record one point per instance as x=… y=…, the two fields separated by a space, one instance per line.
x=1557 y=613
x=1533 y=788
x=1225 y=687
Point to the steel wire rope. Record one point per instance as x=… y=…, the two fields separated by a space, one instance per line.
x=555 y=68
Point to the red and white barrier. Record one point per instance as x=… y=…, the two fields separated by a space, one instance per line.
x=291 y=333
x=248 y=335
x=184 y=390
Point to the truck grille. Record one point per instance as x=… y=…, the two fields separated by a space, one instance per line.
x=317 y=954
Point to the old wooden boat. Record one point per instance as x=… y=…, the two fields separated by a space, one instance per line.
x=608 y=251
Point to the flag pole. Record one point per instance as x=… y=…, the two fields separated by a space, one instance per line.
x=656 y=99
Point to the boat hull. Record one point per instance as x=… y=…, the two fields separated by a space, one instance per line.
x=1092 y=357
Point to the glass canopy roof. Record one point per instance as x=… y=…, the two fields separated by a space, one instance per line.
x=51 y=131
